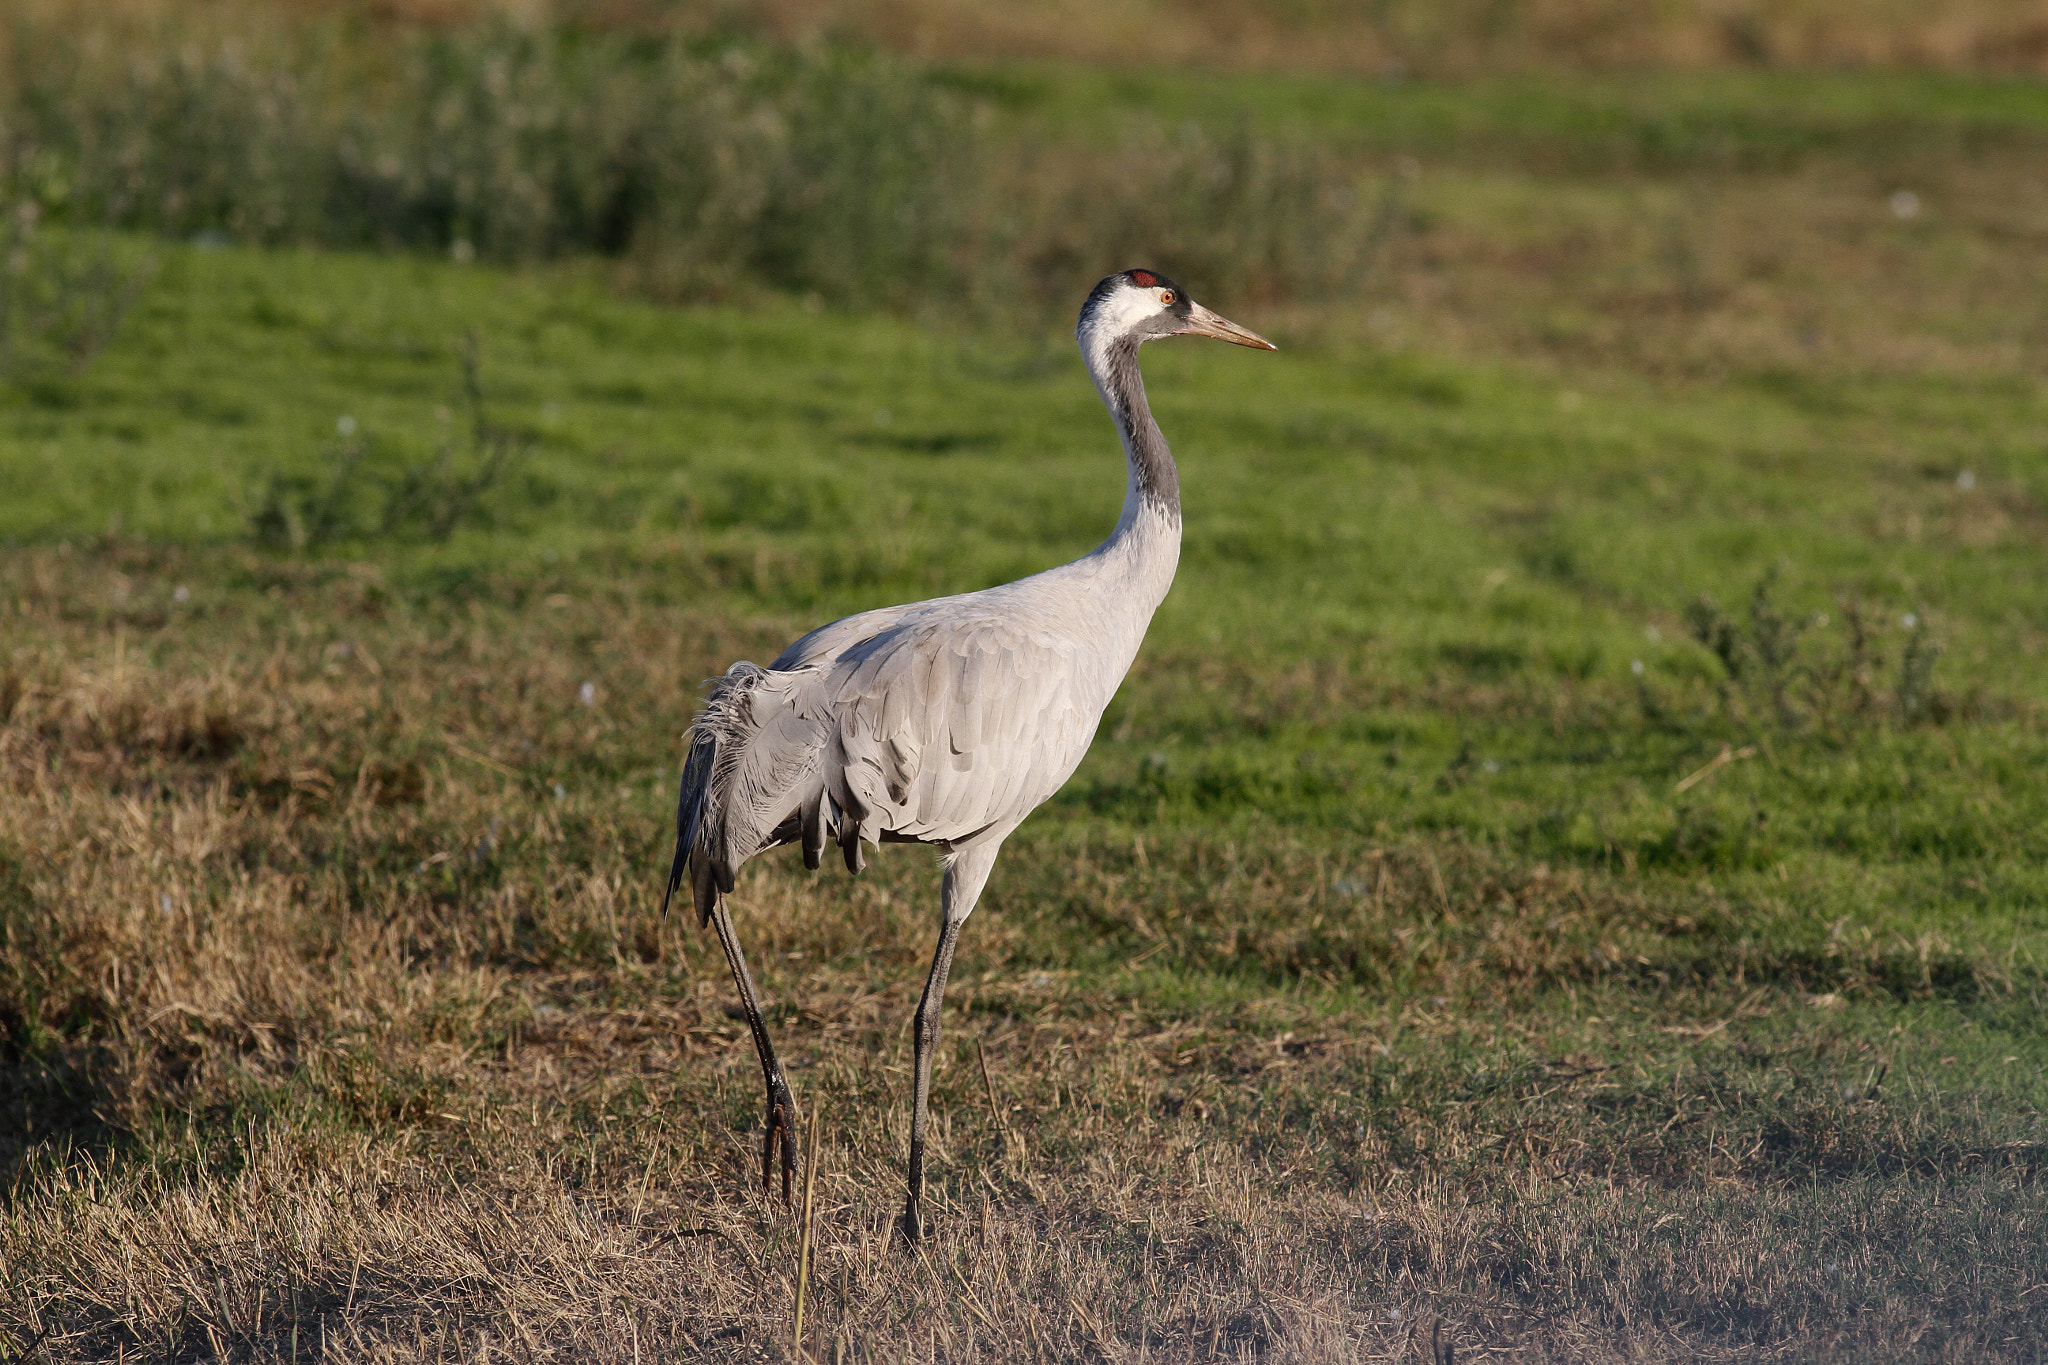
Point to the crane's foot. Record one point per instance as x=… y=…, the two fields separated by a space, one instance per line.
x=780 y=1133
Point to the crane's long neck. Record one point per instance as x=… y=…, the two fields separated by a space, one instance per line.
x=1128 y=575
x=1154 y=482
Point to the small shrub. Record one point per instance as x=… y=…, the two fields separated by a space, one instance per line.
x=305 y=510
x=1793 y=675
x=420 y=500
x=63 y=294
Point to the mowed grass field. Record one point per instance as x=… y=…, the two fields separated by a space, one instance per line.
x=1564 y=880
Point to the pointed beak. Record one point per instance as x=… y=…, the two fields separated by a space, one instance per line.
x=1203 y=323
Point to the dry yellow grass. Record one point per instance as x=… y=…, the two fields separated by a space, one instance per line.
x=337 y=1034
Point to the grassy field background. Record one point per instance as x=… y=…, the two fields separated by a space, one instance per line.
x=1563 y=881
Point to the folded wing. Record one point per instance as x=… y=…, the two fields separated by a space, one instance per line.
x=934 y=728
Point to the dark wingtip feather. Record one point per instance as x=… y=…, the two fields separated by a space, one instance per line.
x=683 y=832
x=695 y=786
x=675 y=879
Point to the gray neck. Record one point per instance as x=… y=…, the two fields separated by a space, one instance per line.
x=1154 y=482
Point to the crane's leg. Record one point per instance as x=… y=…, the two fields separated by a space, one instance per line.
x=781 y=1123
x=966 y=873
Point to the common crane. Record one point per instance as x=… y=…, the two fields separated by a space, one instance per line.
x=943 y=722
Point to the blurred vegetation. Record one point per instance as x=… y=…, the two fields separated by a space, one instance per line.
x=1682 y=221
x=63 y=294
x=1388 y=39
x=707 y=168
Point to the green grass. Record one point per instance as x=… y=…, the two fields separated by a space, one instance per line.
x=1436 y=555
x=1385 y=775
x=1391 y=561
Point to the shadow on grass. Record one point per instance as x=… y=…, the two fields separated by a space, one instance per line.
x=49 y=1102
x=51 y=1090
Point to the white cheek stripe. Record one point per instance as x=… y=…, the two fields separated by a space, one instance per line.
x=1123 y=310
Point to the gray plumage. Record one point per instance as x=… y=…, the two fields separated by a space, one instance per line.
x=943 y=722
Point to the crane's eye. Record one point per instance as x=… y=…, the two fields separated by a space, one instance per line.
x=1166 y=296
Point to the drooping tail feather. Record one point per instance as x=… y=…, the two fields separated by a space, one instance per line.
x=715 y=742
x=754 y=779
x=690 y=804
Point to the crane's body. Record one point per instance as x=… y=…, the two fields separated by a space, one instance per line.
x=943 y=722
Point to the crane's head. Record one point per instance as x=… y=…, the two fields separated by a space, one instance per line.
x=1141 y=305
